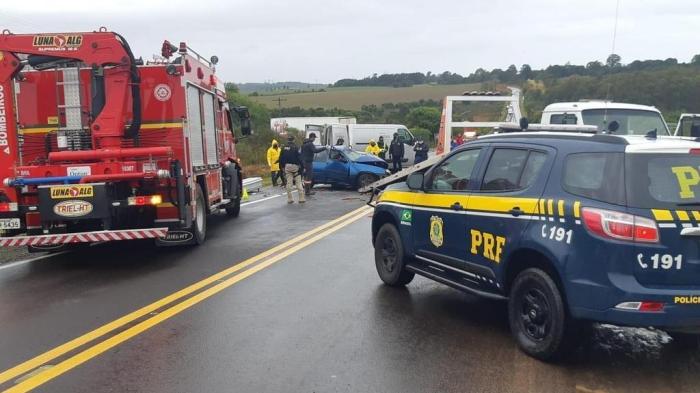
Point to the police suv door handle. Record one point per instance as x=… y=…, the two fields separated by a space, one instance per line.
x=515 y=211
x=456 y=206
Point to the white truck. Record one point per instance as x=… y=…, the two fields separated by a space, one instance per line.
x=281 y=124
x=614 y=117
x=357 y=136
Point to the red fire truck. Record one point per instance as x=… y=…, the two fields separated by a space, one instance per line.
x=98 y=146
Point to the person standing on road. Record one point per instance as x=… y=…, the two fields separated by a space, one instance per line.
x=308 y=150
x=396 y=153
x=291 y=162
x=421 y=149
x=382 y=147
x=372 y=148
x=273 y=161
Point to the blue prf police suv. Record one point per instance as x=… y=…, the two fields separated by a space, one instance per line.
x=569 y=227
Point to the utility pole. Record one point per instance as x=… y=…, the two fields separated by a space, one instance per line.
x=279 y=101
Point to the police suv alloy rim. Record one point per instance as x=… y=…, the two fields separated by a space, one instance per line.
x=389 y=253
x=535 y=315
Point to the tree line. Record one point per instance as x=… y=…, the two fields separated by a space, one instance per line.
x=513 y=74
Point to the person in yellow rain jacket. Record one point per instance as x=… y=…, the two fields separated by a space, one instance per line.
x=273 y=161
x=372 y=148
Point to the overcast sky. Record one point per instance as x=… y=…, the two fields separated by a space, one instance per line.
x=325 y=40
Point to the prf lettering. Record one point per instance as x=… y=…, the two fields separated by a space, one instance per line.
x=490 y=245
x=687 y=177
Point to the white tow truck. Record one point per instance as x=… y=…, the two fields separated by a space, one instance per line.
x=688 y=125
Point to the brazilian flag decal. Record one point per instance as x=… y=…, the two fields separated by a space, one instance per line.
x=406 y=216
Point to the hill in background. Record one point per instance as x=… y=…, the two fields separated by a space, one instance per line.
x=278 y=87
x=354 y=98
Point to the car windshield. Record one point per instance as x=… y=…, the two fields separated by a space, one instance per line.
x=662 y=180
x=353 y=155
x=630 y=121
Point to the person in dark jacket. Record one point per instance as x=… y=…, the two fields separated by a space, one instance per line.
x=382 y=145
x=396 y=153
x=290 y=162
x=421 y=149
x=308 y=150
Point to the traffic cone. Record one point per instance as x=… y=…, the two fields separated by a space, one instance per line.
x=245 y=194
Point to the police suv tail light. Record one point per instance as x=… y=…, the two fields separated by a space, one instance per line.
x=620 y=226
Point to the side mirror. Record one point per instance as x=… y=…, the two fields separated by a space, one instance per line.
x=415 y=181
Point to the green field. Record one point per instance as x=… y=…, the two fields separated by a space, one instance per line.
x=353 y=98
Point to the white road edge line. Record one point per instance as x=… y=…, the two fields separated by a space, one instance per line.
x=265 y=199
x=24 y=261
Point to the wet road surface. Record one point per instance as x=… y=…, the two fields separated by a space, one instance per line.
x=314 y=320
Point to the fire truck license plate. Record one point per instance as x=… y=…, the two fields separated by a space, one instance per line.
x=9 y=223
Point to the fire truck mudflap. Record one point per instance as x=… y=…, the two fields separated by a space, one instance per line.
x=83 y=237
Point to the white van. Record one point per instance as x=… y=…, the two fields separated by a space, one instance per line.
x=357 y=136
x=613 y=117
x=281 y=124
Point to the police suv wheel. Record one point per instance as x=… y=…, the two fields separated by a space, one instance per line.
x=537 y=315
x=389 y=257
x=199 y=222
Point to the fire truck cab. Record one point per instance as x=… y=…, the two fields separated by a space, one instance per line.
x=96 y=145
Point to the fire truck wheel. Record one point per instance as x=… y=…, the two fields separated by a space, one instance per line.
x=233 y=209
x=199 y=224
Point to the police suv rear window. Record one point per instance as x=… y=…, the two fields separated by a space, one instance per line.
x=663 y=180
x=598 y=176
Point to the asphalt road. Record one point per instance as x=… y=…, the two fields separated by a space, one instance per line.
x=310 y=316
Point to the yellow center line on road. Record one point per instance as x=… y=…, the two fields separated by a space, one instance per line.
x=46 y=357
x=101 y=347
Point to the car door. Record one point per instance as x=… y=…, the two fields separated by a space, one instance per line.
x=438 y=218
x=507 y=199
x=320 y=163
x=337 y=167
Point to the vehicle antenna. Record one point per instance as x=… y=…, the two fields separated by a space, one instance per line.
x=614 y=40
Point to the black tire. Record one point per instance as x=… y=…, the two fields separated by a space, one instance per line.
x=199 y=221
x=365 y=179
x=233 y=209
x=389 y=257
x=538 y=317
